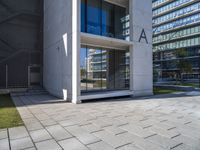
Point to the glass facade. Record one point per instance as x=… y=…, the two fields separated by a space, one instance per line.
x=103 y=69
x=102 y=18
x=183 y=11
x=176 y=26
x=169 y=6
x=178 y=23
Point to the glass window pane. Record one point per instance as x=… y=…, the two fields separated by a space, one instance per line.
x=94 y=17
x=83 y=67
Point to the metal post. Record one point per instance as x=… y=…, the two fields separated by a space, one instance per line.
x=29 y=76
x=6 y=76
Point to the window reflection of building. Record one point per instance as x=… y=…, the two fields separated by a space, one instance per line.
x=176 y=26
x=103 y=18
x=106 y=69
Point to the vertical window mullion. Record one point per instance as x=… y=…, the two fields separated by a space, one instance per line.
x=86 y=69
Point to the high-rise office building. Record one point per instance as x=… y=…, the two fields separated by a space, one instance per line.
x=176 y=27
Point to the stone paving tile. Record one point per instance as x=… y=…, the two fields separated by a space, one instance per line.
x=90 y=128
x=142 y=124
x=18 y=132
x=21 y=143
x=141 y=142
x=111 y=139
x=163 y=141
x=82 y=135
x=48 y=122
x=100 y=146
x=137 y=130
x=193 y=143
x=34 y=126
x=72 y=144
x=184 y=147
x=129 y=147
x=4 y=144
x=48 y=145
x=114 y=130
x=40 y=135
x=58 y=132
x=32 y=148
x=167 y=133
x=3 y=134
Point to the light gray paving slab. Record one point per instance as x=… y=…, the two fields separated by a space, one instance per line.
x=4 y=144
x=91 y=128
x=190 y=141
x=164 y=132
x=114 y=141
x=3 y=134
x=114 y=130
x=129 y=147
x=18 y=132
x=163 y=141
x=40 y=135
x=21 y=143
x=48 y=145
x=150 y=124
x=34 y=126
x=141 y=142
x=58 y=132
x=32 y=148
x=137 y=130
x=48 y=122
x=85 y=137
x=100 y=146
x=72 y=144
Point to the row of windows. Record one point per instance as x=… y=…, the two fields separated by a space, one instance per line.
x=178 y=23
x=172 y=54
x=177 y=13
x=177 y=34
x=158 y=2
x=173 y=64
x=170 y=6
x=178 y=44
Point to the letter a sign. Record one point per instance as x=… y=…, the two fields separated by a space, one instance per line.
x=143 y=36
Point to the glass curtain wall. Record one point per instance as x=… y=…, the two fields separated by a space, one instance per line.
x=102 y=18
x=104 y=69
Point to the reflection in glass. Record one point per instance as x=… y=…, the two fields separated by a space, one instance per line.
x=104 y=69
x=103 y=18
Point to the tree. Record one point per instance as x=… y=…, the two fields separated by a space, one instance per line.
x=183 y=64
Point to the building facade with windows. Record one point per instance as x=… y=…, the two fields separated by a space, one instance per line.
x=97 y=48
x=176 y=26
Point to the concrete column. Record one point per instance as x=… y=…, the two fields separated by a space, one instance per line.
x=76 y=51
x=141 y=53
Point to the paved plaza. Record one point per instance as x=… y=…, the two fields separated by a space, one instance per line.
x=153 y=123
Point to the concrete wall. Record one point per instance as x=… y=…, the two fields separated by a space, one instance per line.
x=20 y=40
x=141 y=51
x=58 y=47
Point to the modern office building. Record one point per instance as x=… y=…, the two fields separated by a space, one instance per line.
x=97 y=48
x=77 y=49
x=176 y=26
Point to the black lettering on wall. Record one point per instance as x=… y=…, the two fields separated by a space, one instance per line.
x=143 y=36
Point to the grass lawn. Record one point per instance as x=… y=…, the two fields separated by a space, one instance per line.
x=158 y=91
x=196 y=85
x=9 y=116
